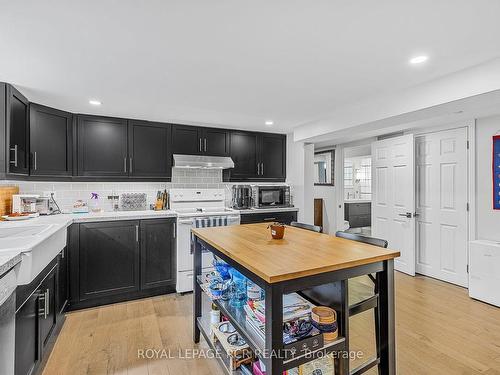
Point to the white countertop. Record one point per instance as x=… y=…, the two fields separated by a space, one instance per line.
x=9 y=259
x=12 y=246
x=267 y=210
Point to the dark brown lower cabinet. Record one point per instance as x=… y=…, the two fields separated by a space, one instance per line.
x=285 y=217
x=27 y=354
x=157 y=255
x=36 y=320
x=120 y=260
x=108 y=259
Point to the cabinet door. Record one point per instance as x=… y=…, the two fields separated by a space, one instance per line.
x=17 y=114
x=109 y=259
x=47 y=317
x=186 y=140
x=148 y=149
x=157 y=253
x=215 y=142
x=27 y=352
x=273 y=156
x=244 y=150
x=102 y=146
x=50 y=141
x=62 y=282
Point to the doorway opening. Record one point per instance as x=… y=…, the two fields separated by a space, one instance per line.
x=357 y=175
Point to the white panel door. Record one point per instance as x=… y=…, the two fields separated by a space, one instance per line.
x=442 y=205
x=393 y=197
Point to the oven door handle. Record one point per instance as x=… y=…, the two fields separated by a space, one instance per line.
x=186 y=222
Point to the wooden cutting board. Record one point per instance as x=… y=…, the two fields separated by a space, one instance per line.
x=6 y=193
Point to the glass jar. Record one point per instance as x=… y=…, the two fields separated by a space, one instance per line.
x=238 y=288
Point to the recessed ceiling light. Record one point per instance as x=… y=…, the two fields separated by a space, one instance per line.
x=269 y=123
x=419 y=59
x=94 y=102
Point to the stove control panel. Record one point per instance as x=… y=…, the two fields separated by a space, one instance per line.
x=196 y=195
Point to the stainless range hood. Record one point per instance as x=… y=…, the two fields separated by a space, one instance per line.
x=203 y=162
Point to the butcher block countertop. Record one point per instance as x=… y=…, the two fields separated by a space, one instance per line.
x=300 y=253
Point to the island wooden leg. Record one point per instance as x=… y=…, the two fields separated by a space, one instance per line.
x=274 y=329
x=387 y=319
x=196 y=289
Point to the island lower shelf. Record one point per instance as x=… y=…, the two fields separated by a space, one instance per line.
x=237 y=317
x=204 y=327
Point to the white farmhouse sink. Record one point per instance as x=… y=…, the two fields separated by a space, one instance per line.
x=39 y=244
x=23 y=231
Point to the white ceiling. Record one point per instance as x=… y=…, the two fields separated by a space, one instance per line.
x=233 y=63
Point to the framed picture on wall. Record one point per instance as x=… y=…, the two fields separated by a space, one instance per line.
x=324 y=166
x=496 y=172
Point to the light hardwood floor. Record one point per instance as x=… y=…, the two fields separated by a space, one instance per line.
x=440 y=330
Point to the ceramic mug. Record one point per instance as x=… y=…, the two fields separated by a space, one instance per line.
x=277 y=231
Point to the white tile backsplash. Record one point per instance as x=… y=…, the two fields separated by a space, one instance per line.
x=68 y=192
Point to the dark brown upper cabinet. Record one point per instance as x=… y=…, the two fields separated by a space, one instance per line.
x=149 y=154
x=272 y=156
x=15 y=120
x=193 y=140
x=102 y=146
x=245 y=155
x=40 y=141
x=257 y=157
x=50 y=141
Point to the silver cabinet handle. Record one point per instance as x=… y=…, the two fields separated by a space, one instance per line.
x=269 y=219
x=205 y=145
x=200 y=144
x=407 y=215
x=124 y=164
x=262 y=169
x=136 y=233
x=15 y=155
x=42 y=310
x=62 y=253
x=47 y=304
x=258 y=168
x=35 y=160
x=130 y=165
x=175 y=228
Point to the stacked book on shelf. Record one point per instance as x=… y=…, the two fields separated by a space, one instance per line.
x=296 y=318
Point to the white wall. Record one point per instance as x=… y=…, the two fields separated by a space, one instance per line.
x=327 y=193
x=300 y=174
x=488 y=220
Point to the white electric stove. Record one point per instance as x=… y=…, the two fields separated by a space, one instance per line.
x=197 y=208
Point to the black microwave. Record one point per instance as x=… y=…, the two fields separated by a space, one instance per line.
x=268 y=196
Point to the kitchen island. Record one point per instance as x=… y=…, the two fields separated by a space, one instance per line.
x=301 y=260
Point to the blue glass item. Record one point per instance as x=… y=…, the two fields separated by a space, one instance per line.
x=496 y=172
x=222 y=268
x=218 y=288
x=238 y=288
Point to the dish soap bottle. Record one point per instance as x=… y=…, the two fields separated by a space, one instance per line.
x=94 y=203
